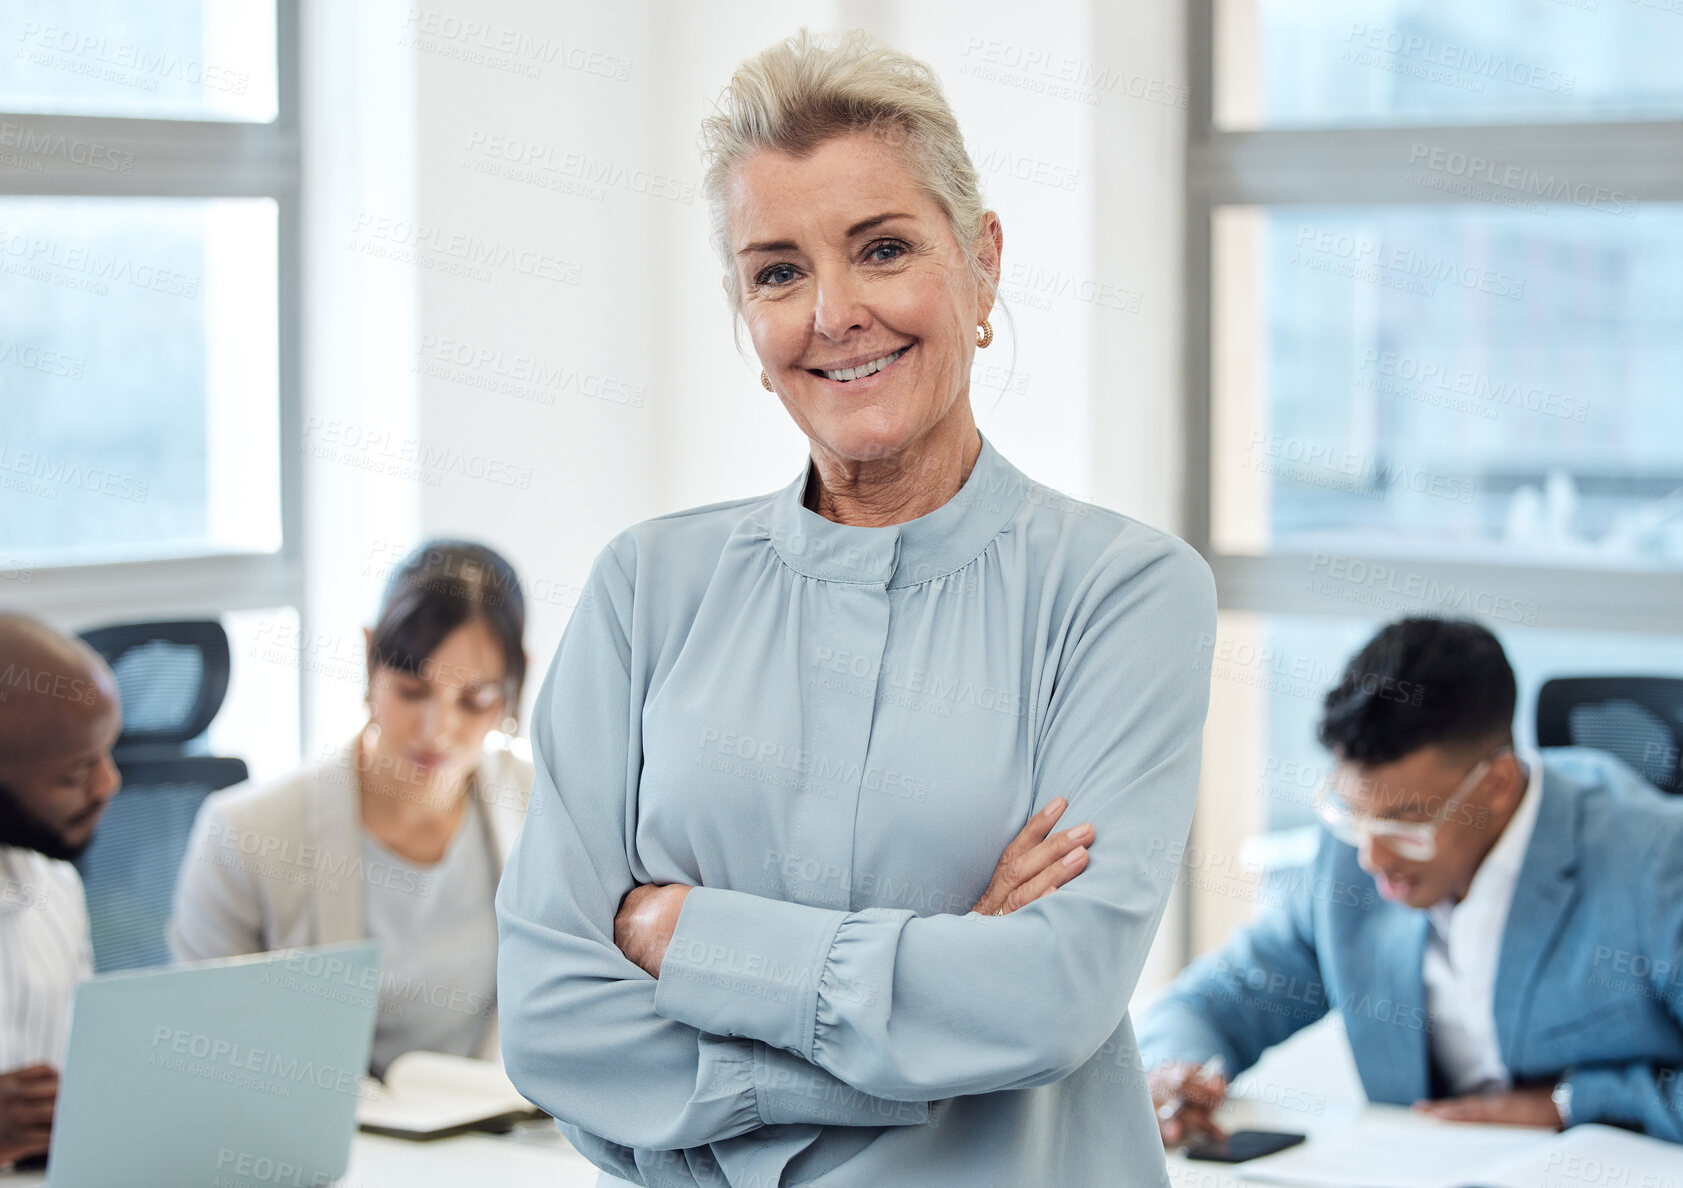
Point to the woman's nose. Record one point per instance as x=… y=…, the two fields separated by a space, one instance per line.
x=840 y=308
x=438 y=724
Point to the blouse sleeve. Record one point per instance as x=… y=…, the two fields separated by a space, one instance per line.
x=218 y=901
x=917 y=1008
x=580 y=1034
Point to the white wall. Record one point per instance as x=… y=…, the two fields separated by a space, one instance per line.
x=360 y=499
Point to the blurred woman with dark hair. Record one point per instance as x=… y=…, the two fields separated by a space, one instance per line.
x=400 y=835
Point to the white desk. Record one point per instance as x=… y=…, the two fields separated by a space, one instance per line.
x=1239 y=1114
x=537 y=1158
x=1396 y=1145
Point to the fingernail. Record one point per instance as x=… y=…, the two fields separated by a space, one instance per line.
x=1075 y=855
x=1081 y=833
x=1056 y=807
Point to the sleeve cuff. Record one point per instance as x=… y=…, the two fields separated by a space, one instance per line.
x=1599 y=1095
x=742 y=965
x=1168 y=1033
x=789 y=1090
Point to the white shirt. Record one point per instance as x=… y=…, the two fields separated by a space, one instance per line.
x=44 y=951
x=1462 y=947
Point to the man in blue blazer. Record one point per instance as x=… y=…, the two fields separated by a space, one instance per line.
x=1501 y=934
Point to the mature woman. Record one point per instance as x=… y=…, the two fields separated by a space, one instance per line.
x=401 y=834
x=785 y=739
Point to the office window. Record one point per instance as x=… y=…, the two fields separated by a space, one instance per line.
x=140 y=378
x=1309 y=64
x=1450 y=381
x=1435 y=315
x=164 y=59
x=148 y=276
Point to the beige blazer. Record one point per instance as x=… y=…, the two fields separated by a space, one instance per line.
x=279 y=865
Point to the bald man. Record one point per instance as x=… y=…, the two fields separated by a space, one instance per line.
x=59 y=717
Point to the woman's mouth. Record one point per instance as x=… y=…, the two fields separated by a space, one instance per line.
x=864 y=370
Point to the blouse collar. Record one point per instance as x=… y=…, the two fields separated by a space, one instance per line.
x=895 y=555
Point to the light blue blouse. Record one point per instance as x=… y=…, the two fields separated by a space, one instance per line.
x=832 y=732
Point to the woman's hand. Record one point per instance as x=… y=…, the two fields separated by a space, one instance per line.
x=647 y=918
x=1034 y=864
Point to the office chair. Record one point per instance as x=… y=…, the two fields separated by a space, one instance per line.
x=1637 y=718
x=172 y=678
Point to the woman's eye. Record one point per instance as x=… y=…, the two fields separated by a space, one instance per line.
x=777 y=274
x=894 y=251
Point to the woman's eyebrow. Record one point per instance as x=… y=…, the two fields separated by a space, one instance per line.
x=867 y=224
x=780 y=245
x=783 y=245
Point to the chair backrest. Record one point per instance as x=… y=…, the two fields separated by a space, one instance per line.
x=129 y=872
x=172 y=678
x=1637 y=718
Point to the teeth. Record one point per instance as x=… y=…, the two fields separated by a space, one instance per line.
x=864 y=369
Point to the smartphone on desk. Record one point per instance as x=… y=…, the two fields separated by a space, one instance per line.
x=1239 y=1146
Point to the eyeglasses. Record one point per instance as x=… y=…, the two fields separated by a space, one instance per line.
x=1416 y=841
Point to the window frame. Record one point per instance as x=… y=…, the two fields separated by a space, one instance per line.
x=1366 y=166
x=192 y=159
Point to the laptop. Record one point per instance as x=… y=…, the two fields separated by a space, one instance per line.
x=243 y=1071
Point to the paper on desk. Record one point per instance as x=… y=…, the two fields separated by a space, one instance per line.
x=1592 y=1157
x=1413 y=1152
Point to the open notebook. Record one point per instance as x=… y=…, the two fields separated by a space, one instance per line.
x=1416 y=1153
x=429 y=1095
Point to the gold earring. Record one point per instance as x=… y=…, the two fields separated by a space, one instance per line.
x=984 y=334
x=765 y=382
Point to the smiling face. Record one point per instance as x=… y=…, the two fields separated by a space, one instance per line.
x=860 y=302
x=57 y=776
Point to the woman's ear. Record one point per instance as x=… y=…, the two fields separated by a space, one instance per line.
x=990 y=248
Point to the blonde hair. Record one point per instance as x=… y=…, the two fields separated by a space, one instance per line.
x=806 y=90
